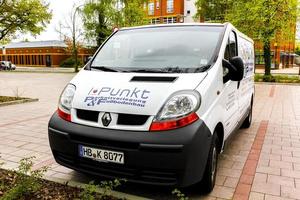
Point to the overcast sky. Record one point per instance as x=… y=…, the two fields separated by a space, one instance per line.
x=60 y=10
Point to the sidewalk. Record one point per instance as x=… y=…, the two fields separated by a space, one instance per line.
x=45 y=69
x=261 y=163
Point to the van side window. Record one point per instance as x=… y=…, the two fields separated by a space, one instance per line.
x=231 y=47
x=230 y=52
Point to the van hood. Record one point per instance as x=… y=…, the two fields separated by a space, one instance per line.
x=130 y=93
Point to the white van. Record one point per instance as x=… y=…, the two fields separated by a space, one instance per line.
x=156 y=104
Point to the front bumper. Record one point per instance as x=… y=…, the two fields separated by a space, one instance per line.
x=174 y=158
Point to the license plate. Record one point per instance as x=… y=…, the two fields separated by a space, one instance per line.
x=101 y=155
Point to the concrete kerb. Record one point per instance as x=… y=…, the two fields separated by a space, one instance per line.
x=276 y=83
x=116 y=194
x=26 y=100
x=119 y=195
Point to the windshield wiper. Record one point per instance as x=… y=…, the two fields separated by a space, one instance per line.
x=173 y=70
x=203 y=68
x=148 y=71
x=106 y=69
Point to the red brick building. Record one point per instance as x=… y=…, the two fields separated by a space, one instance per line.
x=40 y=53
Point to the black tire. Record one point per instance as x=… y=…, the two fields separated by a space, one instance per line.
x=209 y=177
x=247 y=122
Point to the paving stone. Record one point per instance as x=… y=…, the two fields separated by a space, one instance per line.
x=231 y=182
x=281 y=180
x=290 y=192
x=222 y=192
x=266 y=188
x=281 y=164
x=290 y=173
x=271 y=197
x=256 y=196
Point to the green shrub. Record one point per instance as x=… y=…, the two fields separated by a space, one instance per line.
x=269 y=78
x=179 y=195
x=70 y=62
x=277 y=78
x=27 y=180
x=90 y=190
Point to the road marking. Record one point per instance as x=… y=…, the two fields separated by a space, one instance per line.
x=244 y=185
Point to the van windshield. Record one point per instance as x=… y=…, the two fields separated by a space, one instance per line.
x=180 y=49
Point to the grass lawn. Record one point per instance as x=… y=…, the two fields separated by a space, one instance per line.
x=7 y=99
x=277 y=78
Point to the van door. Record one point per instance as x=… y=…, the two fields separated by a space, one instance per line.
x=230 y=88
x=246 y=52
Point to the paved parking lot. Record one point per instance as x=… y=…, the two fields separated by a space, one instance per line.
x=262 y=162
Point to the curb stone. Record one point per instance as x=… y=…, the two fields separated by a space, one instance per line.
x=71 y=183
x=276 y=83
x=116 y=194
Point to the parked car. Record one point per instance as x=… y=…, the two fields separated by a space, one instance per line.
x=2 y=65
x=13 y=67
x=7 y=65
x=156 y=110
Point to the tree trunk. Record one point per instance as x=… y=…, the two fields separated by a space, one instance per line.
x=267 y=57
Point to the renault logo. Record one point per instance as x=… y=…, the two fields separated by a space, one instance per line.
x=106 y=119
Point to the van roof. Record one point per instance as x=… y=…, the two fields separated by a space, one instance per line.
x=174 y=24
x=189 y=24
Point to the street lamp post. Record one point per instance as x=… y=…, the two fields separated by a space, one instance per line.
x=75 y=50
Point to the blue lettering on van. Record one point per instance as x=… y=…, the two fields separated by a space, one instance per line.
x=108 y=95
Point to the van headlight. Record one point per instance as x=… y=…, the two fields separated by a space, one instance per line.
x=65 y=102
x=178 y=111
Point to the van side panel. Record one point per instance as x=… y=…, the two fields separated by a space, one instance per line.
x=216 y=99
x=211 y=87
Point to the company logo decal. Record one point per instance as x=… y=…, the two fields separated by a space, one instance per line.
x=107 y=95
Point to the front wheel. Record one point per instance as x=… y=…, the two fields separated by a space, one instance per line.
x=248 y=120
x=209 y=177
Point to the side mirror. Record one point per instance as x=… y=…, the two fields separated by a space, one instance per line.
x=235 y=67
x=89 y=58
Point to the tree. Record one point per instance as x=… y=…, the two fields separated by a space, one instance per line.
x=97 y=20
x=72 y=32
x=263 y=20
x=23 y=16
x=100 y=17
x=131 y=13
x=213 y=10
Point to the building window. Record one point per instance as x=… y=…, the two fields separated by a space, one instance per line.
x=170 y=20
x=151 y=8
x=170 y=6
x=155 y=21
x=157 y=4
x=145 y=6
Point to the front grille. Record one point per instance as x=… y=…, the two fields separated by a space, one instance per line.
x=152 y=176
x=130 y=173
x=134 y=120
x=104 y=143
x=88 y=115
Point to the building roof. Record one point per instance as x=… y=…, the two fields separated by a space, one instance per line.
x=36 y=44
